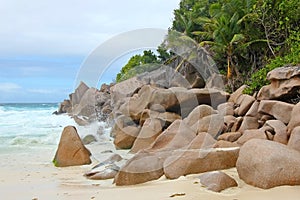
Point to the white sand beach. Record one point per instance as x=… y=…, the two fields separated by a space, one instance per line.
x=30 y=174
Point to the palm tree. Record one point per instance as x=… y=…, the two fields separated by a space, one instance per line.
x=224 y=31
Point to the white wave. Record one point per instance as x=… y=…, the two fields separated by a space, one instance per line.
x=37 y=126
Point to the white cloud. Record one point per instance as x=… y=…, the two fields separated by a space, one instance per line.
x=9 y=87
x=75 y=27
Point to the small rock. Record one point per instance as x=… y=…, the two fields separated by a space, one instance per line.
x=279 y=129
x=237 y=124
x=177 y=195
x=230 y=137
x=106 y=169
x=217 y=181
x=89 y=139
x=104 y=173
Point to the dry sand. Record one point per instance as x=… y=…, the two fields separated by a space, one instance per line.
x=27 y=173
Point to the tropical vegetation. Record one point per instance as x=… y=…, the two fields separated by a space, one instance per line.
x=246 y=38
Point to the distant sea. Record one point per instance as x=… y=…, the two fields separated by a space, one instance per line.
x=31 y=124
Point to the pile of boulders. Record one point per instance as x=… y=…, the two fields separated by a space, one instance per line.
x=87 y=105
x=176 y=131
x=180 y=131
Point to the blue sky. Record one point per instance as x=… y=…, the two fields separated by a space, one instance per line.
x=45 y=44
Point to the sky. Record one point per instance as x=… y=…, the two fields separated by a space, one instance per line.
x=47 y=46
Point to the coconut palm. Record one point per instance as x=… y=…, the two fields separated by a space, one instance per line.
x=224 y=31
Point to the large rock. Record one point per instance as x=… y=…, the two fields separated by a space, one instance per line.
x=65 y=107
x=294 y=141
x=125 y=89
x=167 y=118
x=202 y=141
x=86 y=107
x=283 y=73
x=225 y=144
x=244 y=102
x=295 y=118
x=183 y=101
x=280 y=110
x=212 y=97
x=151 y=129
x=135 y=105
x=285 y=84
x=253 y=111
x=126 y=136
x=236 y=94
x=125 y=132
x=216 y=81
x=198 y=113
x=164 y=77
x=75 y=97
x=187 y=100
x=165 y=98
x=71 y=151
x=176 y=136
x=249 y=123
x=103 y=103
x=198 y=161
x=217 y=181
x=266 y=164
x=212 y=124
x=226 y=108
x=143 y=167
x=192 y=75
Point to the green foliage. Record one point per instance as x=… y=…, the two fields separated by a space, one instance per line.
x=138 y=64
x=164 y=55
x=55 y=163
x=244 y=37
x=189 y=10
x=258 y=79
x=276 y=19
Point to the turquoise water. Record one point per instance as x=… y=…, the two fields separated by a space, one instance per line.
x=31 y=124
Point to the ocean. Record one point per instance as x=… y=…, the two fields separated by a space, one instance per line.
x=34 y=125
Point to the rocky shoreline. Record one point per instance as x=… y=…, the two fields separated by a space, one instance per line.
x=174 y=129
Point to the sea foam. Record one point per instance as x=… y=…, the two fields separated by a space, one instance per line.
x=34 y=125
